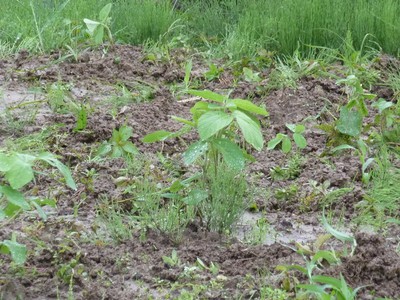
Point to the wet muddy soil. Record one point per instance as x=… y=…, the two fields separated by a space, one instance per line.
x=68 y=253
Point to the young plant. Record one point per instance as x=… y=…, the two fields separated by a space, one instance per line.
x=251 y=76
x=16 y=171
x=217 y=124
x=217 y=153
x=362 y=151
x=172 y=260
x=98 y=29
x=213 y=73
x=284 y=139
x=119 y=144
x=353 y=113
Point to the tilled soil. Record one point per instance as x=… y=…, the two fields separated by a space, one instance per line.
x=134 y=268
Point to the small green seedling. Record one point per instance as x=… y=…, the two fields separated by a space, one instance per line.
x=362 y=151
x=251 y=76
x=172 y=260
x=97 y=29
x=119 y=144
x=284 y=140
x=213 y=268
x=213 y=73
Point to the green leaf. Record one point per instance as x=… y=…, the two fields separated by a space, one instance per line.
x=250 y=129
x=328 y=280
x=382 y=104
x=64 y=170
x=130 y=148
x=350 y=122
x=209 y=95
x=275 y=141
x=250 y=107
x=231 y=153
x=15 y=197
x=91 y=25
x=176 y=186
x=4 y=163
x=327 y=255
x=212 y=122
x=184 y=121
x=195 y=197
x=125 y=132
x=286 y=145
x=344 y=237
x=188 y=70
x=104 y=149
x=343 y=147
x=300 y=141
x=156 y=136
x=104 y=12
x=313 y=288
x=18 y=251
x=291 y=127
x=300 y=128
x=194 y=151
x=81 y=121
x=20 y=172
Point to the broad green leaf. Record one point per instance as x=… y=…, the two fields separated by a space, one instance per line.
x=104 y=149
x=130 y=148
x=4 y=162
x=300 y=128
x=286 y=145
x=209 y=95
x=300 y=141
x=18 y=251
x=156 y=136
x=125 y=132
x=117 y=152
x=176 y=186
x=104 y=12
x=91 y=25
x=194 y=152
x=382 y=104
x=275 y=141
x=212 y=122
x=291 y=127
x=15 y=197
x=250 y=107
x=20 y=172
x=64 y=170
x=250 y=129
x=350 y=122
x=195 y=197
x=231 y=153
x=184 y=121
x=81 y=121
x=11 y=210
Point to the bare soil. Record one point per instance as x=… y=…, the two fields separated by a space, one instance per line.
x=134 y=268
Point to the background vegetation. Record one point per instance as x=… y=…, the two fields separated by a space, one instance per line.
x=229 y=27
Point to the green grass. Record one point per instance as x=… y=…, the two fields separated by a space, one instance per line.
x=234 y=27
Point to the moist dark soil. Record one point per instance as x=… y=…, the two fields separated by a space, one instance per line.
x=133 y=268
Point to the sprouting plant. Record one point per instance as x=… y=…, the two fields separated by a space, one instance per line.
x=98 y=29
x=284 y=139
x=217 y=153
x=213 y=268
x=362 y=151
x=217 y=124
x=213 y=72
x=350 y=122
x=172 y=260
x=119 y=144
x=16 y=171
x=290 y=171
x=250 y=75
x=316 y=258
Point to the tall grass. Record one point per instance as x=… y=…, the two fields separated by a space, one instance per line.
x=237 y=27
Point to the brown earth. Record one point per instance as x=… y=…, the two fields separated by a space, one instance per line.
x=134 y=268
